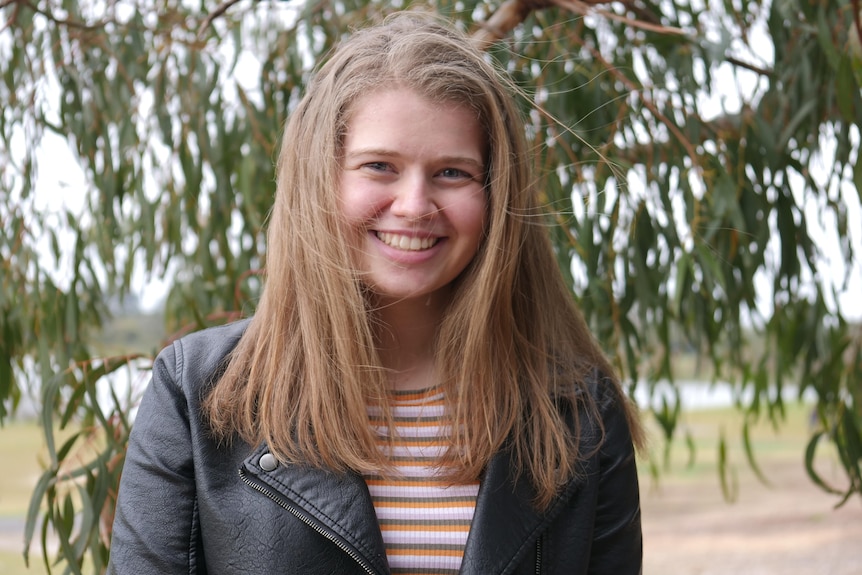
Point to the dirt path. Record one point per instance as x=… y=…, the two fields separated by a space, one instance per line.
x=789 y=529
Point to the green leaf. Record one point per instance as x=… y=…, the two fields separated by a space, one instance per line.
x=749 y=452
x=846 y=90
x=45 y=482
x=857 y=176
x=825 y=38
x=692 y=449
x=810 y=455
x=726 y=472
x=802 y=114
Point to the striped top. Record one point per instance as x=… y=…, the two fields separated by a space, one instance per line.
x=423 y=518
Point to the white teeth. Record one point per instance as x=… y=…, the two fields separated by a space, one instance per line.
x=406 y=243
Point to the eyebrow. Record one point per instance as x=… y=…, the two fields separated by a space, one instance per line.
x=393 y=154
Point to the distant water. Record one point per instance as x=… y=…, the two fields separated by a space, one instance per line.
x=705 y=395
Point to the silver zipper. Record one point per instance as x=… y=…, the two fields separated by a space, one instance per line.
x=539 y=555
x=296 y=512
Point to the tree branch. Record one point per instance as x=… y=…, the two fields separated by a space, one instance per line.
x=504 y=20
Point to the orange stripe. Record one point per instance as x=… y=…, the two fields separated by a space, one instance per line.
x=402 y=396
x=423 y=552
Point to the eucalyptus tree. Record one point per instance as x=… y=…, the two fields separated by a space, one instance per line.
x=699 y=165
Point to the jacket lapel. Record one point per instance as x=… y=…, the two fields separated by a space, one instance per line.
x=337 y=505
x=506 y=524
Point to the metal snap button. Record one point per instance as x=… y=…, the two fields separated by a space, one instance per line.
x=268 y=462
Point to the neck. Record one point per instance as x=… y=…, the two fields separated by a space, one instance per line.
x=406 y=336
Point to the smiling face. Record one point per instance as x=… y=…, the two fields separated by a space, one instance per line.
x=412 y=190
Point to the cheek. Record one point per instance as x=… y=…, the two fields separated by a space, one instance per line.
x=472 y=215
x=357 y=201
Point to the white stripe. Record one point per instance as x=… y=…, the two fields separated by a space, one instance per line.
x=417 y=452
x=408 y=537
x=430 y=431
x=430 y=513
x=411 y=411
x=411 y=561
x=414 y=492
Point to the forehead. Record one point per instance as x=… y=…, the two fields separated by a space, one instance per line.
x=449 y=98
x=403 y=119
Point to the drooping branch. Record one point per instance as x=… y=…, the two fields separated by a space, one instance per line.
x=61 y=21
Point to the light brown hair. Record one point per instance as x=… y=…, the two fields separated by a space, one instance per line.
x=512 y=346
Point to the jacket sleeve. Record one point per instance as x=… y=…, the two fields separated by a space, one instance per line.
x=617 y=547
x=155 y=525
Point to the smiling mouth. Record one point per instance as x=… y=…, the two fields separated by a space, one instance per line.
x=406 y=243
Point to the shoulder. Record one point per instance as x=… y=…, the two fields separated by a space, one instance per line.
x=197 y=357
x=606 y=416
x=618 y=420
x=214 y=341
x=590 y=389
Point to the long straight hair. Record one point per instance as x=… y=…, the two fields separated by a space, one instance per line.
x=511 y=346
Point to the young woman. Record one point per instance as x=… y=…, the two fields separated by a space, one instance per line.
x=416 y=392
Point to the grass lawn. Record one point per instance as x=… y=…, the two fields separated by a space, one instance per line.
x=23 y=452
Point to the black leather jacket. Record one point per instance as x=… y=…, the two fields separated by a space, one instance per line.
x=188 y=505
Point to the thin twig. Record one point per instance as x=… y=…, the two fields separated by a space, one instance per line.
x=674 y=129
x=589 y=7
x=747 y=66
x=14 y=15
x=221 y=9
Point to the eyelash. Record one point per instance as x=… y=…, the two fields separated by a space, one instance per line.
x=378 y=166
x=457 y=173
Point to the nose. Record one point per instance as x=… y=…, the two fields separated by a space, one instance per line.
x=413 y=198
